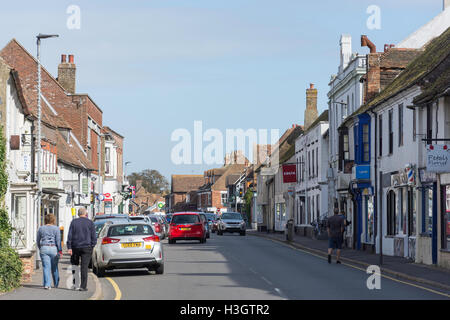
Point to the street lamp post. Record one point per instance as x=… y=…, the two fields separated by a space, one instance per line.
x=39 y=133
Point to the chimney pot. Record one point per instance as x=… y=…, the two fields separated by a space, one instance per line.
x=70 y=58
x=311 y=85
x=63 y=58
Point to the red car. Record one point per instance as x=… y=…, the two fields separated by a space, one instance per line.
x=186 y=226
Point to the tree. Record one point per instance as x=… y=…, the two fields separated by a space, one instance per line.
x=152 y=181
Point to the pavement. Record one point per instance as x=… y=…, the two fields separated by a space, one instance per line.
x=397 y=267
x=34 y=290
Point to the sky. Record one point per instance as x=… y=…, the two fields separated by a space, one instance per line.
x=156 y=66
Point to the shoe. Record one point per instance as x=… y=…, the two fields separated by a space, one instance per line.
x=329 y=258
x=82 y=289
x=47 y=288
x=338 y=262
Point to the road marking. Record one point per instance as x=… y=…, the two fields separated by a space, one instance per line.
x=267 y=281
x=361 y=269
x=281 y=293
x=116 y=288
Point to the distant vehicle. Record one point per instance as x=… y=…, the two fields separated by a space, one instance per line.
x=206 y=223
x=187 y=226
x=109 y=216
x=168 y=217
x=212 y=218
x=231 y=222
x=126 y=246
x=157 y=225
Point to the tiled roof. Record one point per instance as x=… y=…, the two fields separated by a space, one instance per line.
x=71 y=154
x=186 y=183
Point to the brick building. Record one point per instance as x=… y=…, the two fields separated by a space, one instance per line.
x=183 y=195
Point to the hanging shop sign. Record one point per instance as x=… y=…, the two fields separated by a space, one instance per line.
x=438 y=158
x=289 y=173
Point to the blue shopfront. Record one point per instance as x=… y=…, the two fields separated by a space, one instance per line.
x=361 y=187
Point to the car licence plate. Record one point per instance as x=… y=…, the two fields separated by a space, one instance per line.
x=131 y=245
x=185 y=229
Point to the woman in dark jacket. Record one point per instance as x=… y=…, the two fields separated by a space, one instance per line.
x=50 y=250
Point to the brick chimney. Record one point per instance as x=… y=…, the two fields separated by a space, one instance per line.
x=66 y=73
x=311 y=113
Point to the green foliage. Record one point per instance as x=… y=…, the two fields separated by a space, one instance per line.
x=10 y=264
x=248 y=201
x=10 y=269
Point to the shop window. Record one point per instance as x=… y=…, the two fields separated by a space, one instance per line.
x=369 y=218
x=446 y=221
x=401 y=228
x=412 y=213
x=391 y=212
x=427 y=226
x=18 y=220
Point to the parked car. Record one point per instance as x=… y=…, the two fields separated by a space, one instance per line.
x=187 y=226
x=211 y=221
x=126 y=246
x=109 y=216
x=166 y=225
x=206 y=223
x=231 y=222
x=157 y=225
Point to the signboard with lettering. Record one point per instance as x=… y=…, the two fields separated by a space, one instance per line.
x=289 y=173
x=85 y=185
x=362 y=172
x=438 y=158
x=49 y=180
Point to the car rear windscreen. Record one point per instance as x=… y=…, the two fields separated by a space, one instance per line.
x=154 y=219
x=185 y=219
x=130 y=230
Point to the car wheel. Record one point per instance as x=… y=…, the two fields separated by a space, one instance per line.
x=160 y=269
x=100 y=272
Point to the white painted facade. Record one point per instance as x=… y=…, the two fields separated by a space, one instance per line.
x=20 y=199
x=344 y=97
x=311 y=190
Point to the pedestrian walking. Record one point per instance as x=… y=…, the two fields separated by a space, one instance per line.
x=50 y=250
x=80 y=242
x=346 y=224
x=335 y=228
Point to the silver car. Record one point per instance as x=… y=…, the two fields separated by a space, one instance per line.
x=126 y=246
x=231 y=222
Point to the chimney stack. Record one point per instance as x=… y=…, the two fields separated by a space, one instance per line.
x=67 y=73
x=311 y=113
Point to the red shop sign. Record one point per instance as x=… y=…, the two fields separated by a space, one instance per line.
x=289 y=173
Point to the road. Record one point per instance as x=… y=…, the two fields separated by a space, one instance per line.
x=232 y=267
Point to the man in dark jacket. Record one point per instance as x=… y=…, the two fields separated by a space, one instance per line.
x=335 y=227
x=80 y=242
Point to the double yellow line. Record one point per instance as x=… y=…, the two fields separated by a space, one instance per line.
x=116 y=288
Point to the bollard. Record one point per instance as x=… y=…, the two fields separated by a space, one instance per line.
x=290 y=230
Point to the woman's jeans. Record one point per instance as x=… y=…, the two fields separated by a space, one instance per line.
x=49 y=258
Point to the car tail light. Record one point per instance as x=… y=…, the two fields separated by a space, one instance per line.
x=152 y=238
x=157 y=227
x=107 y=240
